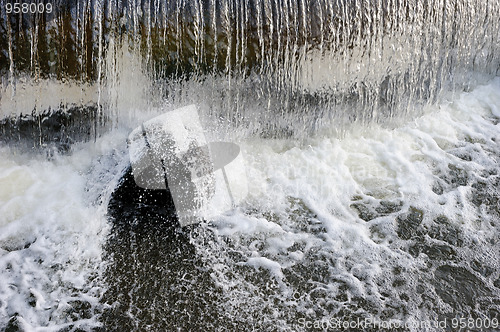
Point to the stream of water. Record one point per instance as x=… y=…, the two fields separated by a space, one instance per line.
x=370 y=135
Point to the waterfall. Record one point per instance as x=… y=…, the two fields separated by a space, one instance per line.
x=349 y=150
x=271 y=66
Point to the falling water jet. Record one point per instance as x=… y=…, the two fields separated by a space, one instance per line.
x=272 y=60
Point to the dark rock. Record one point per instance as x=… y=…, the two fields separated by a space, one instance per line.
x=434 y=252
x=365 y=212
x=497 y=283
x=443 y=230
x=481 y=268
x=13 y=325
x=154 y=276
x=409 y=222
x=388 y=207
x=458 y=287
x=53 y=128
x=457 y=176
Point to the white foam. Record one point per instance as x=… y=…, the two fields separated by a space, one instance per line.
x=296 y=189
x=298 y=220
x=51 y=233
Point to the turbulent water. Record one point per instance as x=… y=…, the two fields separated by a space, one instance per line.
x=397 y=224
x=370 y=135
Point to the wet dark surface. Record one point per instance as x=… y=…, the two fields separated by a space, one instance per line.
x=55 y=129
x=458 y=272
x=155 y=280
x=250 y=62
x=160 y=277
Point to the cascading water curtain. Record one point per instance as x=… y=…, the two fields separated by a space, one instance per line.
x=263 y=64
